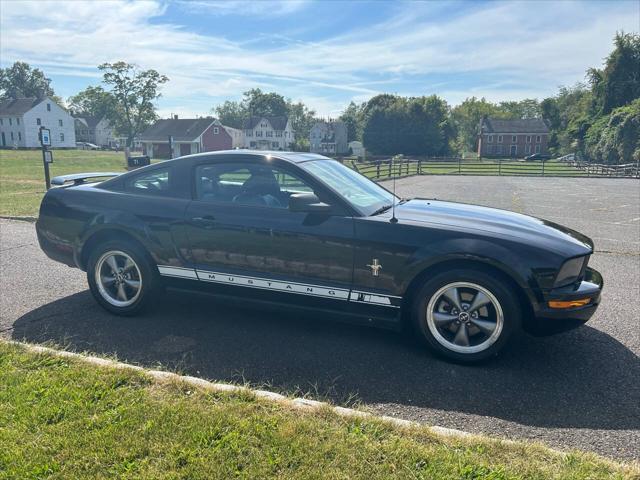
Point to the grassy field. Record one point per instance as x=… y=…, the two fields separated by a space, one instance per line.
x=22 y=175
x=61 y=418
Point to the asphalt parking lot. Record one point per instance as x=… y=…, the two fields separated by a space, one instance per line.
x=580 y=389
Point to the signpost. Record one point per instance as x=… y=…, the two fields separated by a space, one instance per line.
x=47 y=155
x=170 y=146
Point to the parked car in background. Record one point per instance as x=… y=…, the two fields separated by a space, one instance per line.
x=87 y=146
x=537 y=156
x=309 y=232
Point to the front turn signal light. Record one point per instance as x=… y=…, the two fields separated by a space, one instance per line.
x=569 y=303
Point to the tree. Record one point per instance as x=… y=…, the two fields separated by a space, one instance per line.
x=618 y=83
x=134 y=92
x=271 y=104
x=21 y=78
x=302 y=119
x=92 y=101
x=466 y=119
x=527 y=108
x=615 y=138
x=352 y=117
x=230 y=113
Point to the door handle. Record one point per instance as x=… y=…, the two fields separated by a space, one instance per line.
x=205 y=221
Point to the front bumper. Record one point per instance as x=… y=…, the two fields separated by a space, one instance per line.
x=549 y=321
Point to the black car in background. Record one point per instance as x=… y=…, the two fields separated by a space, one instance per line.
x=308 y=232
x=537 y=156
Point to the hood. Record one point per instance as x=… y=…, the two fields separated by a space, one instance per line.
x=528 y=229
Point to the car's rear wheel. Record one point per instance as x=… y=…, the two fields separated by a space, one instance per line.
x=466 y=315
x=122 y=278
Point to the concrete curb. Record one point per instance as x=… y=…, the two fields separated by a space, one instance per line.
x=303 y=404
x=20 y=219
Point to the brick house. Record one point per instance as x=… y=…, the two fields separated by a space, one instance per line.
x=268 y=133
x=512 y=138
x=190 y=135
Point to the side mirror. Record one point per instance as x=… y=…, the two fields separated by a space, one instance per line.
x=308 y=203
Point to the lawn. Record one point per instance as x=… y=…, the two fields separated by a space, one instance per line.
x=22 y=175
x=62 y=418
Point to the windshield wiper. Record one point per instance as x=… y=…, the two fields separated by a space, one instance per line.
x=382 y=209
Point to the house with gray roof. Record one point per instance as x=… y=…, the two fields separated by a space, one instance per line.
x=97 y=130
x=21 y=118
x=187 y=136
x=268 y=133
x=328 y=138
x=512 y=138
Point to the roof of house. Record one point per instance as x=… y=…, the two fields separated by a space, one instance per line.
x=278 y=123
x=527 y=125
x=181 y=129
x=91 y=122
x=18 y=106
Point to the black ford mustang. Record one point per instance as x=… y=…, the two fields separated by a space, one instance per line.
x=306 y=231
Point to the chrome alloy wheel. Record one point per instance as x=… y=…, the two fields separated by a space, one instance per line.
x=465 y=317
x=118 y=278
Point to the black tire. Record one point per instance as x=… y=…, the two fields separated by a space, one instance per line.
x=145 y=271
x=441 y=338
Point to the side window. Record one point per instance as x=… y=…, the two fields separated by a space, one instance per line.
x=157 y=182
x=248 y=184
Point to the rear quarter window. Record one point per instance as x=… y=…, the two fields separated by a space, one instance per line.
x=157 y=182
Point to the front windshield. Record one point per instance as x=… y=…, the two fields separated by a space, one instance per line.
x=364 y=195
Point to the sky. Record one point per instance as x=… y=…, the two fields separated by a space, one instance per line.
x=325 y=54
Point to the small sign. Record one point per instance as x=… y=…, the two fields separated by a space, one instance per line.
x=48 y=156
x=45 y=137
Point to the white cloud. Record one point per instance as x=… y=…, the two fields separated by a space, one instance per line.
x=243 y=7
x=498 y=49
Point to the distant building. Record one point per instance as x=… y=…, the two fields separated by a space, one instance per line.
x=21 y=118
x=190 y=135
x=512 y=138
x=328 y=138
x=357 y=149
x=97 y=130
x=268 y=133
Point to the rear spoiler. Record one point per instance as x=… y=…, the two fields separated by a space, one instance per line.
x=79 y=178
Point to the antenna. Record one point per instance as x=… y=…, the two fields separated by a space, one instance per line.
x=393 y=201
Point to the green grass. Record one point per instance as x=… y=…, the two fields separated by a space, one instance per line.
x=61 y=418
x=22 y=175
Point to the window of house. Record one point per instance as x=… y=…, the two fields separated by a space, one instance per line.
x=11 y=135
x=275 y=144
x=0 y=121
x=499 y=138
x=20 y=136
x=263 y=125
x=157 y=182
x=499 y=149
x=252 y=144
x=258 y=133
x=10 y=121
x=490 y=138
x=48 y=107
x=538 y=138
x=269 y=133
x=249 y=133
x=59 y=122
x=17 y=120
x=537 y=148
x=527 y=149
x=278 y=133
x=514 y=138
x=38 y=121
x=62 y=137
x=528 y=138
x=216 y=130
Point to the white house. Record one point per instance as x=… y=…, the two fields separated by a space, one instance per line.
x=328 y=138
x=96 y=130
x=268 y=133
x=21 y=119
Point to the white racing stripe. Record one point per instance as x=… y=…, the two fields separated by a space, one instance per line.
x=279 y=286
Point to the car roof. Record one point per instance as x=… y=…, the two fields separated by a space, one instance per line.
x=293 y=157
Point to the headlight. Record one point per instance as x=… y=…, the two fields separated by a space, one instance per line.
x=571 y=270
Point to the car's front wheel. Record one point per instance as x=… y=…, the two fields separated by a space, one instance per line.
x=466 y=315
x=121 y=277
